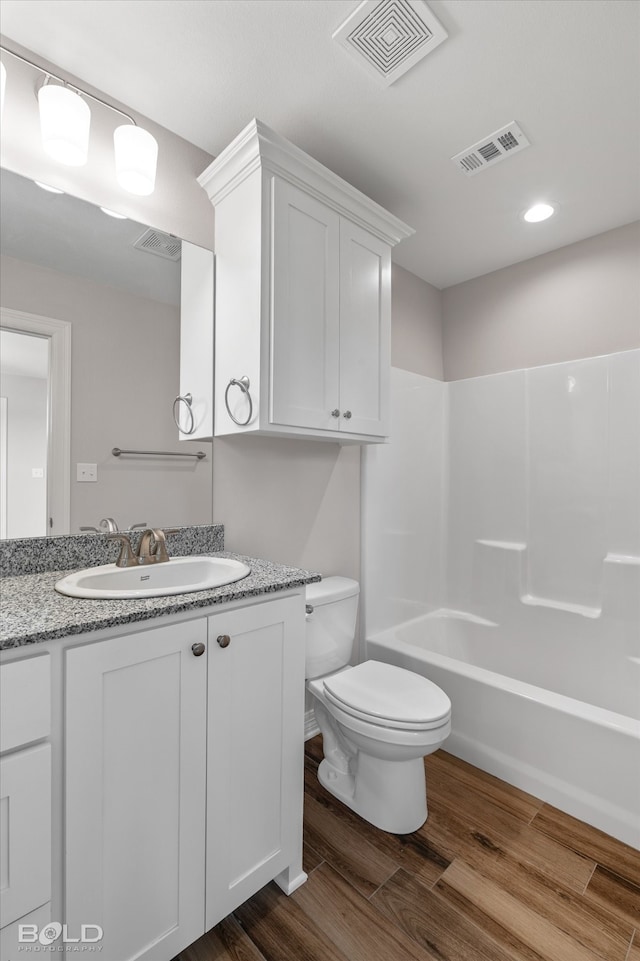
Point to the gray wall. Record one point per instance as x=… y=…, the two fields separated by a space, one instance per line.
x=580 y=301
x=416 y=337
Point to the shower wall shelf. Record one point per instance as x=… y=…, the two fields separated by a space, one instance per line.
x=117 y=452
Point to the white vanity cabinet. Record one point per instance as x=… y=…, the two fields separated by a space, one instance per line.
x=135 y=781
x=183 y=773
x=303 y=295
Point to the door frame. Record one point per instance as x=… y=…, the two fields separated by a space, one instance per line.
x=59 y=410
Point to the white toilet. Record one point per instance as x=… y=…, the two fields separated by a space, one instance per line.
x=377 y=721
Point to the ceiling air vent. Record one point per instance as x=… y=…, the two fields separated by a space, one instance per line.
x=504 y=142
x=387 y=37
x=161 y=244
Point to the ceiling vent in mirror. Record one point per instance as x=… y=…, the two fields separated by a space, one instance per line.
x=161 y=244
x=387 y=37
x=504 y=142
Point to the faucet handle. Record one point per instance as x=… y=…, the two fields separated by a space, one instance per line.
x=126 y=557
x=141 y=525
x=109 y=525
x=160 y=553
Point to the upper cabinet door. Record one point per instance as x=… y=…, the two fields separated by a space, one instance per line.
x=305 y=308
x=365 y=331
x=195 y=419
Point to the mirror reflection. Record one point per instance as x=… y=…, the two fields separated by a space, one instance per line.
x=115 y=284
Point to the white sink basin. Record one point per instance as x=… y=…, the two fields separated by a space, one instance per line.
x=180 y=575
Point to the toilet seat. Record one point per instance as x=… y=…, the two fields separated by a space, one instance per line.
x=388 y=697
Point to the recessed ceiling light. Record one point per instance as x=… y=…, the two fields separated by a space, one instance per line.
x=112 y=213
x=52 y=190
x=539 y=212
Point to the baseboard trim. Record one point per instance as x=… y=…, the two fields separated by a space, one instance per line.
x=310 y=724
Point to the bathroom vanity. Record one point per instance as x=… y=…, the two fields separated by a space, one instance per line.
x=156 y=761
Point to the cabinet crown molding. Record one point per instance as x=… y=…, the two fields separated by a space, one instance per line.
x=259 y=147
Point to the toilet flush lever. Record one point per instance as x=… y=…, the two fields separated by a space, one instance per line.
x=308 y=609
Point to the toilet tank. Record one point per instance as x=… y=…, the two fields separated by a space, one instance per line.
x=332 y=610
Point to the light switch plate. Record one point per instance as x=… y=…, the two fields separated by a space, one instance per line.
x=86 y=472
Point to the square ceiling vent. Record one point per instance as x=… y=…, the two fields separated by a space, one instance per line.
x=387 y=37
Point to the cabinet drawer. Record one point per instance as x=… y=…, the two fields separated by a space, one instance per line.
x=25 y=701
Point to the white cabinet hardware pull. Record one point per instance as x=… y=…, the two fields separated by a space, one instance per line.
x=187 y=400
x=224 y=640
x=244 y=384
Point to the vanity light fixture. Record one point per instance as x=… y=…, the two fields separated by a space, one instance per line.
x=65 y=119
x=52 y=190
x=539 y=212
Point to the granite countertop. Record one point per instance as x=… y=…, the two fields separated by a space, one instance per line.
x=33 y=611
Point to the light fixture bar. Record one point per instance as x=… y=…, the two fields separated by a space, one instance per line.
x=53 y=76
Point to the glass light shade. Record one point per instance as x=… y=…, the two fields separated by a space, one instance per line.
x=52 y=190
x=136 y=159
x=113 y=213
x=65 y=119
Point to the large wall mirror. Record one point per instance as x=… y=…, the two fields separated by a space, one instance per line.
x=71 y=274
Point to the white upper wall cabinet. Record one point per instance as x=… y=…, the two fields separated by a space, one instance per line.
x=303 y=295
x=193 y=410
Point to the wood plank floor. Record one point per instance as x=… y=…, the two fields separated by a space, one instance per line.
x=493 y=875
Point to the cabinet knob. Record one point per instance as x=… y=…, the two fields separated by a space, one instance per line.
x=224 y=640
x=335 y=413
x=347 y=414
x=198 y=649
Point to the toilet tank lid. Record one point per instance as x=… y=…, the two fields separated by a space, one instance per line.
x=331 y=589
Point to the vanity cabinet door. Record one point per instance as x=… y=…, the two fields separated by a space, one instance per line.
x=135 y=790
x=255 y=752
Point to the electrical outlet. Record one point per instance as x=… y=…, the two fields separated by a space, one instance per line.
x=86 y=472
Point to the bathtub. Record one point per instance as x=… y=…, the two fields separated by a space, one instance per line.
x=583 y=758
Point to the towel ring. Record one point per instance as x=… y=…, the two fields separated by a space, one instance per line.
x=188 y=400
x=244 y=383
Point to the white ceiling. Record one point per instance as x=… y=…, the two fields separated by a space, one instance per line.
x=568 y=71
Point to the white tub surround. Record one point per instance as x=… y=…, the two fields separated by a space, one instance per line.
x=531 y=597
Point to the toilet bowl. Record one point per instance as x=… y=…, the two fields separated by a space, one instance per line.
x=377 y=721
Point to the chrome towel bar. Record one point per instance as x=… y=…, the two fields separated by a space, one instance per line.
x=200 y=454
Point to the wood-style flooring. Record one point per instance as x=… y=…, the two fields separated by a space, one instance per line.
x=494 y=875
